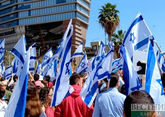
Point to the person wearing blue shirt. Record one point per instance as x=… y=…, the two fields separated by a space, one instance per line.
x=110 y=103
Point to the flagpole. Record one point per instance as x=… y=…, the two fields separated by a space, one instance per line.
x=159 y=49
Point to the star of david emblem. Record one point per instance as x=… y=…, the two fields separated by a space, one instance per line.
x=2 y=50
x=139 y=85
x=160 y=83
x=132 y=37
x=82 y=65
x=67 y=68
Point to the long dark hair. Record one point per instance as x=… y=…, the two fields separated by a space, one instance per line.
x=33 y=105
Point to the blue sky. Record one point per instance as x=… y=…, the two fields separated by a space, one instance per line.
x=153 y=11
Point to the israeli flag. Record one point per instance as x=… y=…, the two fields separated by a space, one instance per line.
x=83 y=66
x=117 y=64
x=62 y=81
x=46 y=58
x=137 y=36
x=19 y=50
x=17 y=66
x=161 y=60
x=132 y=81
x=78 y=52
x=153 y=83
x=51 y=67
x=51 y=70
x=39 y=71
x=101 y=53
x=90 y=88
x=90 y=63
x=2 y=69
x=17 y=102
x=105 y=69
x=2 y=50
x=8 y=72
x=32 y=57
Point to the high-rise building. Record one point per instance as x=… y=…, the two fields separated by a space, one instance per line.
x=43 y=21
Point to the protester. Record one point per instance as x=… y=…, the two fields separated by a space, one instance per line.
x=110 y=103
x=33 y=105
x=138 y=99
x=122 y=90
x=3 y=83
x=84 y=76
x=50 y=84
x=3 y=104
x=15 y=78
x=104 y=85
x=37 y=81
x=46 y=97
x=73 y=106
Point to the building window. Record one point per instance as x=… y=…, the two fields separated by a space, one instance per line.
x=29 y=13
x=94 y=48
x=60 y=1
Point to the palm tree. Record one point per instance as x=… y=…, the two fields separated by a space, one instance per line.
x=109 y=18
x=117 y=38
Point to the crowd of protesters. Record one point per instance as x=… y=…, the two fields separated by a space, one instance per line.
x=110 y=102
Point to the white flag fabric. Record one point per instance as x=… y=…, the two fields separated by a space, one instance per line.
x=17 y=102
x=79 y=51
x=51 y=67
x=62 y=81
x=105 y=69
x=17 y=66
x=100 y=54
x=8 y=72
x=46 y=58
x=2 y=50
x=19 y=49
x=32 y=58
x=117 y=63
x=153 y=83
x=132 y=81
x=161 y=60
x=83 y=66
x=137 y=36
x=2 y=69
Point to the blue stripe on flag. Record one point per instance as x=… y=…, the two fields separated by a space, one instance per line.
x=1 y=59
x=9 y=67
x=75 y=54
x=33 y=57
x=18 y=55
x=34 y=45
x=138 y=19
x=20 y=112
x=141 y=43
x=126 y=73
x=150 y=64
x=8 y=76
x=91 y=93
x=46 y=62
x=103 y=75
x=31 y=69
x=1 y=41
x=62 y=66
